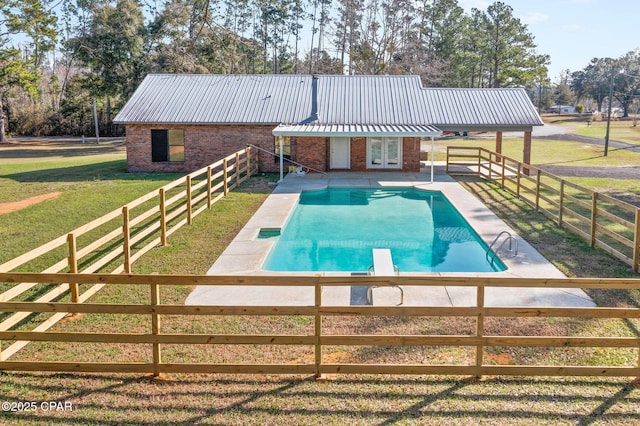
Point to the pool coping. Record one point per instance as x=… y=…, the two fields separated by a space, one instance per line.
x=246 y=253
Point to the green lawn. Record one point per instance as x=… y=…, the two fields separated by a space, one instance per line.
x=90 y=187
x=623 y=131
x=547 y=152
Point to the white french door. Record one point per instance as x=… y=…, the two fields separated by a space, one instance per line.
x=384 y=153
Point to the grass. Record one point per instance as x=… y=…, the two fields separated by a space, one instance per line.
x=547 y=152
x=90 y=186
x=228 y=399
x=621 y=129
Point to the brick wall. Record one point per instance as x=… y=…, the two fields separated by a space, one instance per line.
x=410 y=154
x=312 y=152
x=359 y=154
x=203 y=146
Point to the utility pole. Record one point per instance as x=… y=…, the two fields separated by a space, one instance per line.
x=606 y=136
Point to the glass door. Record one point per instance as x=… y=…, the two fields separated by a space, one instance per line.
x=384 y=153
x=375 y=151
x=392 y=148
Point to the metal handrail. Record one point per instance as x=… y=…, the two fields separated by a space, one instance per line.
x=510 y=238
x=289 y=160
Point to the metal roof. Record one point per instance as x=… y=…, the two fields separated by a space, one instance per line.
x=323 y=100
x=219 y=99
x=478 y=108
x=354 y=130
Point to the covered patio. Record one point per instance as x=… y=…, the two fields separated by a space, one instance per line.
x=383 y=150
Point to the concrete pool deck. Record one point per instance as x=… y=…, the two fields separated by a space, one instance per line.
x=246 y=254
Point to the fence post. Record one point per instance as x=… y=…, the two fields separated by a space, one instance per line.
x=209 y=187
x=480 y=327
x=503 y=159
x=636 y=244
x=237 y=182
x=247 y=151
x=189 y=209
x=538 y=174
x=73 y=267
x=318 y=329
x=518 y=179
x=561 y=208
x=126 y=240
x=225 y=183
x=446 y=169
x=163 y=217
x=480 y=163
x=594 y=214
x=155 y=329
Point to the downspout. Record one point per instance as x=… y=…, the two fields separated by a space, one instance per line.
x=314 y=99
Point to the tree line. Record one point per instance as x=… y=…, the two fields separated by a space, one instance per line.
x=615 y=77
x=58 y=57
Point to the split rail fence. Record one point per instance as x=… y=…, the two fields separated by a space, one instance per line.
x=160 y=331
x=604 y=221
x=113 y=242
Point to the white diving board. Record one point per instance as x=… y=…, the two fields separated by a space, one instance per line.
x=383 y=267
x=382 y=262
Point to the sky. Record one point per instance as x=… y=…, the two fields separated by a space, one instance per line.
x=572 y=32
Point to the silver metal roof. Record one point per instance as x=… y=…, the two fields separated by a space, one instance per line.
x=323 y=100
x=228 y=99
x=470 y=109
x=354 y=130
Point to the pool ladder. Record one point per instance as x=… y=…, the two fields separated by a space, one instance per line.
x=513 y=246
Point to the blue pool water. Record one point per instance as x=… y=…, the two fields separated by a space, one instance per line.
x=337 y=228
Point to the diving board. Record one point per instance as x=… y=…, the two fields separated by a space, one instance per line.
x=383 y=267
x=382 y=262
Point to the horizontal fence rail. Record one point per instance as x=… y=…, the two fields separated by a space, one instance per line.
x=113 y=242
x=604 y=221
x=160 y=337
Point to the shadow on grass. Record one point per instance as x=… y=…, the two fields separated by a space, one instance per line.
x=71 y=151
x=206 y=399
x=109 y=170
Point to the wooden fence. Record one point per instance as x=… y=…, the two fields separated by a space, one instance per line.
x=604 y=221
x=113 y=242
x=159 y=334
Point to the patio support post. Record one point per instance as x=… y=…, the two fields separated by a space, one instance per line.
x=281 y=143
x=526 y=153
x=498 y=144
x=432 y=150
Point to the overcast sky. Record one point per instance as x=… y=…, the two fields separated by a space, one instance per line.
x=573 y=32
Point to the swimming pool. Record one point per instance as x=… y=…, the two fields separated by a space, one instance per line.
x=336 y=229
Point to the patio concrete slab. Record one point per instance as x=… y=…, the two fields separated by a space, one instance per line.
x=246 y=253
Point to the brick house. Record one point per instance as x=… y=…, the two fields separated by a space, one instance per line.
x=179 y=123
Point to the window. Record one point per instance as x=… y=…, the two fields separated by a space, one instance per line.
x=167 y=145
x=286 y=148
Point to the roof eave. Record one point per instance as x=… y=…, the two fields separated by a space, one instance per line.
x=485 y=128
